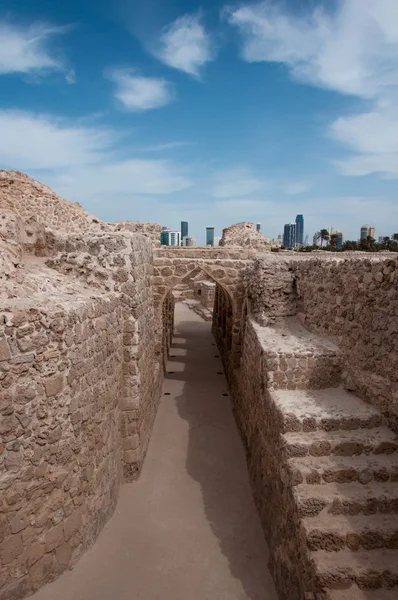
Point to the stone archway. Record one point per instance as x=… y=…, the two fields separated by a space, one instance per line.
x=171 y=268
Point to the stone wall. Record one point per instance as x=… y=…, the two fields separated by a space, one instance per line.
x=79 y=386
x=205 y=292
x=168 y=326
x=352 y=300
x=60 y=454
x=355 y=301
x=261 y=425
x=245 y=235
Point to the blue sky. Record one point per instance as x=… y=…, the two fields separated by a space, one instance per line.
x=211 y=112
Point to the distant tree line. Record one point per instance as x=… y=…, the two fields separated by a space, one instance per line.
x=368 y=244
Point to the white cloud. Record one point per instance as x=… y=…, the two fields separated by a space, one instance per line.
x=131 y=176
x=78 y=161
x=235 y=183
x=26 y=49
x=374 y=138
x=137 y=93
x=167 y=146
x=35 y=141
x=353 y=50
x=185 y=45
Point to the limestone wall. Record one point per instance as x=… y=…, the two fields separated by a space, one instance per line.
x=205 y=292
x=60 y=451
x=352 y=300
x=245 y=235
x=355 y=301
x=79 y=386
x=261 y=425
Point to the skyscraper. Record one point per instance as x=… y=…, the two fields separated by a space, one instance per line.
x=340 y=239
x=372 y=232
x=170 y=238
x=365 y=231
x=258 y=227
x=184 y=229
x=209 y=236
x=289 y=235
x=299 y=230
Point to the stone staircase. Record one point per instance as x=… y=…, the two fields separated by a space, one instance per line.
x=342 y=466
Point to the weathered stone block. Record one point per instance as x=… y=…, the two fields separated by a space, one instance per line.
x=53 y=385
x=131 y=456
x=72 y=524
x=11 y=548
x=54 y=537
x=5 y=353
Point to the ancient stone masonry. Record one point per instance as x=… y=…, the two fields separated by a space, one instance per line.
x=79 y=380
x=245 y=235
x=309 y=346
x=223 y=266
x=323 y=463
x=356 y=303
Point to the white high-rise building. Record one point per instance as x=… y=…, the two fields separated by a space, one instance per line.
x=170 y=238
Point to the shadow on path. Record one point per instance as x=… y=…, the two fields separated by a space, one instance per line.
x=215 y=457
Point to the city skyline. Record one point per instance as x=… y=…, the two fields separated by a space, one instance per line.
x=211 y=110
x=293 y=234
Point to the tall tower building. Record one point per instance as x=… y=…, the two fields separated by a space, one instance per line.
x=184 y=229
x=289 y=235
x=299 y=230
x=258 y=227
x=372 y=232
x=365 y=231
x=340 y=239
x=209 y=236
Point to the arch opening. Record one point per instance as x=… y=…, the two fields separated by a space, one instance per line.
x=208 y=297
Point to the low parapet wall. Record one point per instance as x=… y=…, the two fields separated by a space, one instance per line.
x=61 y=452
x=79 y=386
x=355 y=301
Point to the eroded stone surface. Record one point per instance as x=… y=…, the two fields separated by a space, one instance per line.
x=86 y=322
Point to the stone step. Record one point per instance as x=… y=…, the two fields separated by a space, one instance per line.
x=341 y=570
x=355 y=593
x=334 y=532
x=340 y=443
x=339 y=469
x=346 y=498
x=329 y=409
x=296 y=359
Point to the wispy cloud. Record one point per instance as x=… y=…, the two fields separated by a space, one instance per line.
x=35 y=140
x=185 y=45
x=236 y=183
x=167 y=146
x=28 y=49
x=374 y=138
x=137 y=93
x=79 y=161
x=352 y=50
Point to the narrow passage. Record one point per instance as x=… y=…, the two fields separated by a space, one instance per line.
x=188 y=529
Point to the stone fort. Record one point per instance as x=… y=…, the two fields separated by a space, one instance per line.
x=309 y=347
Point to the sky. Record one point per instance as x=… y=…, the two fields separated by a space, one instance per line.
x=210 y=112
